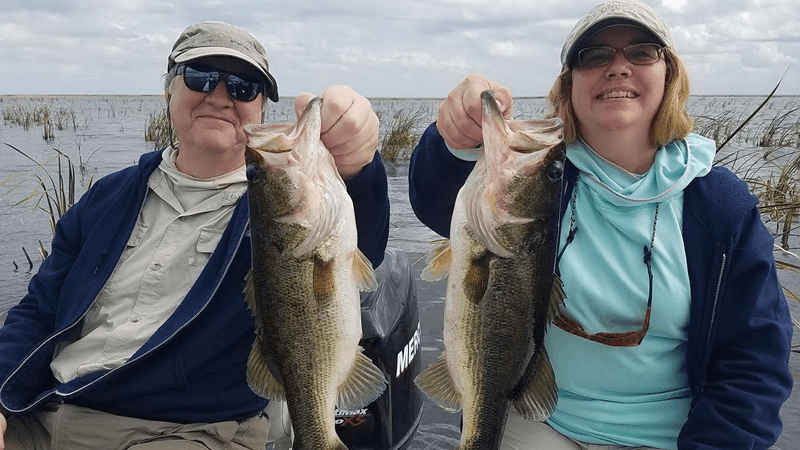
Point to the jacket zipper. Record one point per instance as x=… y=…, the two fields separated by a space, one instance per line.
x=713 y=319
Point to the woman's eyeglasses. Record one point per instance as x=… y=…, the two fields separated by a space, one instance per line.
x=599 y=56
x=200 y=78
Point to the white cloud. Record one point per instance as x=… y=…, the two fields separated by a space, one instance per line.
x=674 y=4
x=381 y=47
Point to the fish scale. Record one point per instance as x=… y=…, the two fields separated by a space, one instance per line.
x=502 y=293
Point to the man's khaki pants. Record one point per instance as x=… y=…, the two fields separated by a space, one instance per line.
x=69 y=427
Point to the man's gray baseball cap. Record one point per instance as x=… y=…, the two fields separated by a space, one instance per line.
x=610 y=13
x=222 y=39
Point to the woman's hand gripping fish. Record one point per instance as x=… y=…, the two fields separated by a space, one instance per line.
x=501 y=293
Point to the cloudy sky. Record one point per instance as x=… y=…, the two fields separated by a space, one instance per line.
x=382 y=48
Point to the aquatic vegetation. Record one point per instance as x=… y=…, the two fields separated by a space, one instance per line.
x=400 y=134
x=157 y=130
x=54 y=192
x=41 y=115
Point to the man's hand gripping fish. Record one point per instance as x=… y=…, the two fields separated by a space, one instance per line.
x=303 y=289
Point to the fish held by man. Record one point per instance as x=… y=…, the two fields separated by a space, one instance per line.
x=303 y=288
x=501 y=292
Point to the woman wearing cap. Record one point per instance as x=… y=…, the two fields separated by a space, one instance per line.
x=134 y=333
x=708 y=367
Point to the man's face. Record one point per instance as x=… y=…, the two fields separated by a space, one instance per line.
x=210 y=123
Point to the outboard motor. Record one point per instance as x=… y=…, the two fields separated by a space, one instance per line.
x=391 y=338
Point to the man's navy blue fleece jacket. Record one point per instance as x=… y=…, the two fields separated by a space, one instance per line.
x=193 y=369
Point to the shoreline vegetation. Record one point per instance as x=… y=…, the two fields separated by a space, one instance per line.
x=773 y=143
x=767 y=154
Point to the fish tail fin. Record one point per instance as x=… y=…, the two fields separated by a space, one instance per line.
x=363 y=384
x=365 y=275
x=259 y=377
x=538 y=397
x=438 y=262
x=437 y=384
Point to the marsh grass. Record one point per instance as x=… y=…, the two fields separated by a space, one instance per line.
x=779 y=133
x=54 y=192
x=157 y=130
x=400 y=134
x=50 y=120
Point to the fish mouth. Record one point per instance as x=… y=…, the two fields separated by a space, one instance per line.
x=619 y=93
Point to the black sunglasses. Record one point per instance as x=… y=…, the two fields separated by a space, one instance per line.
x=201 y=78
x=599 y=56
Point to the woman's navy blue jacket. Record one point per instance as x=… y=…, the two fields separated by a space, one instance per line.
x=740 y=330
x=193 y=369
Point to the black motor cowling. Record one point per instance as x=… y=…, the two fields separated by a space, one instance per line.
x=391 y=338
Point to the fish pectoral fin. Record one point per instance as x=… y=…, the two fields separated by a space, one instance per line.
x=438 y=262
x=438 y=385
x=363 y=384
x=259 y=377
x=324 y=282
x=538 y=396
x=557 y=297
x=476 y=278
x=362 y=270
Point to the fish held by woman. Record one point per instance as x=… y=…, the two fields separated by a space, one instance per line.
x=501 y=292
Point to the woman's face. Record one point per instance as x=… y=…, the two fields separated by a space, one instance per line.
x=620 y=96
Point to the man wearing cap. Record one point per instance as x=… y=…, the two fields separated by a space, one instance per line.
x=134 y=332
x=675 y=333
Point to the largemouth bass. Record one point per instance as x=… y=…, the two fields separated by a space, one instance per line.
x=501 y=291
x=303 y=288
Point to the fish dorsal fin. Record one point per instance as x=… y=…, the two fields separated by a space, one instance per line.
x=438 y=385
x=363 y=273
x=538 y=395
x=363 y=384
x=438 y=262
x=260 y=379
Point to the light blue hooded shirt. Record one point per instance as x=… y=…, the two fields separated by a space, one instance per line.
x=637 y=396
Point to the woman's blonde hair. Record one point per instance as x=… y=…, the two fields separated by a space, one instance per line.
x=672 y=121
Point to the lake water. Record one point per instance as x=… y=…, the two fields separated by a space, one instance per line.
x=107 y=134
